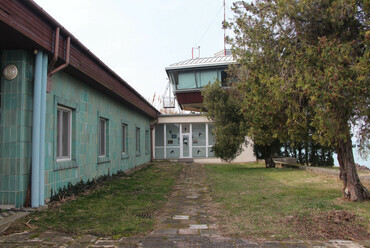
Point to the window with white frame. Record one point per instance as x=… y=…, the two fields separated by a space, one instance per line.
x=102 y=137
x=124 y=136
x=64 y=133
x=137 y=140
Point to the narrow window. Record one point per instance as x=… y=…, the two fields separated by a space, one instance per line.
x=102 y=137
x=124 y=127
x=146 y=141
x=137 y=140
x=64 y=133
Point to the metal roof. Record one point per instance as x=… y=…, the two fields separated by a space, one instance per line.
x=203 y=62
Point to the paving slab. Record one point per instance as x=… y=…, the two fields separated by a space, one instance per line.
x=165 y=231
x=180 y=217
x=271 y=244
x=157 y=244
x=86 y=239
x=7 y=245
x=62 y=239
x=202 y=226
x=78 y=245
x=187 y=222
x=344 y=244
x=16 y=237
x=10 y=218
x=188 y=231
x=209 y=232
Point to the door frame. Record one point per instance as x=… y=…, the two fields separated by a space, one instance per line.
x=189 y=142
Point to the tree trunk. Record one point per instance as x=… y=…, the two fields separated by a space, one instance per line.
x=306 y=151
x=353 y=189
x=269 y=162
x=300 y=158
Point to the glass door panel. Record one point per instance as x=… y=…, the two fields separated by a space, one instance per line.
x=185 y=148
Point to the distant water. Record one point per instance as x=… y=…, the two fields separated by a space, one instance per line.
x=358 y=159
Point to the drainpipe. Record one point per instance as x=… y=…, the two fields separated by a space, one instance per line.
x=56 y=50
x=49 y=83
x=152 y=143
x=35 y=178
x=42 y=129
x=67 y=58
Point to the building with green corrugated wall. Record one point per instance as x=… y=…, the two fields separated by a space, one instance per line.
x=95 y=123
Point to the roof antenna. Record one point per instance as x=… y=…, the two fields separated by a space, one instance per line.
x=192 y=51
x=224 y=28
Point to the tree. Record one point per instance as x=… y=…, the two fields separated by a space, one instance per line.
x=222 y=107
x=303 y=66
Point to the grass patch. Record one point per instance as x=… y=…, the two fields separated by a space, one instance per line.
x=284 y=204
x=112 y=208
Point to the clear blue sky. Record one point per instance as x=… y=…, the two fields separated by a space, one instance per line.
x=138 y=39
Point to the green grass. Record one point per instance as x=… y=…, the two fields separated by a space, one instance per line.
x=112 y=209
x=359 y=172
x=256 y=202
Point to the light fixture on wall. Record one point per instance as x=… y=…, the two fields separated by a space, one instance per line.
x=10 y=72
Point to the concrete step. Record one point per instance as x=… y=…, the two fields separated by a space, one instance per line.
x=7 y=207
x=185 y=160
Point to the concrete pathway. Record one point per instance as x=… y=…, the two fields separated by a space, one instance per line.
x=188 y=210
x=186 y=221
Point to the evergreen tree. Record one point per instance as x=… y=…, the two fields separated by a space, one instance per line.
x=304 y=65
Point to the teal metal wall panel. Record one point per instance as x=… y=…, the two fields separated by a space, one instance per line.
x=88 y=106
x=15 y=127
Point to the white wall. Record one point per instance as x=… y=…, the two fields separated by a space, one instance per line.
x=245 y=156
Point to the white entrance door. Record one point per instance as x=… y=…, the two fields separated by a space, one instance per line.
x=185 y=146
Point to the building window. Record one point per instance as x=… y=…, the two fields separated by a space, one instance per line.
x=147 y=141
x=102 y=137
x=137 y=140
x=64 y=132
x=124 y=136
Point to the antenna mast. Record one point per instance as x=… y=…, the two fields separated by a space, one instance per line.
x=192 y=51
x=224 y=29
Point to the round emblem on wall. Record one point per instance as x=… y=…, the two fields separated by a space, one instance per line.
x=10 y=72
